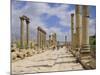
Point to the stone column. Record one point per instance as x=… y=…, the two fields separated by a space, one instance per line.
x=45 y=41
x=22 y=33
x=41 y=40
x=55 y=40
x=78 y=27
x=49 y=40
x=38 y=37
x=27 y=33
x=65 y=40
x=74 y=40
x=85 y=30
x=72 y=29
x=42 y=43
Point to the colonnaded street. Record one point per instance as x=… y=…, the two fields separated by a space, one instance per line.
x=46 y=51
x=48 y=61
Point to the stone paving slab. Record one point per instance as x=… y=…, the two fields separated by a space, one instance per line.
x=65 y=55
x=66 y=66
x=65 y=60
x=49 y=61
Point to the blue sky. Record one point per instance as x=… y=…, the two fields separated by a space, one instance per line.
x=52 y=17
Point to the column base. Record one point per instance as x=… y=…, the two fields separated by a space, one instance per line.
x=85 y=51
x=86 y=59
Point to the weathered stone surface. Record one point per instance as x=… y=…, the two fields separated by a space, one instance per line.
x=48 y=61
x=78 y=25
x=14 y=56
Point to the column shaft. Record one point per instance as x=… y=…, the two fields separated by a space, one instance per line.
x=49 y=40
x=22 y=33
x=85 y=28
x=27 y=33
x=38 y=38
x=66 y=41
x=74 y=40
x=45 y=40
x=72 y=29
x=78 y=32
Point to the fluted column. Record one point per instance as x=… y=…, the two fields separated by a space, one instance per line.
x=85 y=29
x=78 y=26
x=22 y=32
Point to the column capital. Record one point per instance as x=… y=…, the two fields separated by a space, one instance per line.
x=22 y=18
x=40 y=29
x=77 y=9
x=27 y=21
x=72 y=14
x=85 y=11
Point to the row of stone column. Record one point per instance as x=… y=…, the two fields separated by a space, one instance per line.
x=41 y=38
x=80 y=38
x=23 y=19
x=41 y=34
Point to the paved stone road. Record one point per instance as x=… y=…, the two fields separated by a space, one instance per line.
x=50 y=60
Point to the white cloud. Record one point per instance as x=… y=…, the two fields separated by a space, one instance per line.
x=92 y=26
x=34 y=10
